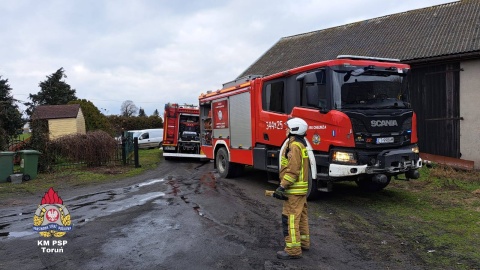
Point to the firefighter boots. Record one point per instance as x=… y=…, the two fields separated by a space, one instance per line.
x=285 y=256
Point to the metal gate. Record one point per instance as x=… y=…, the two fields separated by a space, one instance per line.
x=435 y=98
x=127 y=148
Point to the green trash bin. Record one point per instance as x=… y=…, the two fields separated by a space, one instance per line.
x=29 y=164
x=6 y=165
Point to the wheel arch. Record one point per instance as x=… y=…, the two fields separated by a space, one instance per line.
x=219 y=144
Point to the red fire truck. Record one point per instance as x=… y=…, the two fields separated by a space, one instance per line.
x=361 y=125
x=181 y=136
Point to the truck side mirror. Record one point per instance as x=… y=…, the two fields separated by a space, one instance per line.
x=312 y=95
x=300 y=77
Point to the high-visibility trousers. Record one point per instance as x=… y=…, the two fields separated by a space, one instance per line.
x=295 y=224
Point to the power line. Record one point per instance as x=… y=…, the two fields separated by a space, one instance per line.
x=124 y=100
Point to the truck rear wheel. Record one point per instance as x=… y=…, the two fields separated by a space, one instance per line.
x=225 y=168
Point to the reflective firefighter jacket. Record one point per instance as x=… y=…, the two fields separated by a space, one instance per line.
x=294 y=168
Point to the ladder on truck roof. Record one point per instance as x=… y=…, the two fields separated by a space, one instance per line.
x=185 y=108
x=359 y=57
x=240 y=80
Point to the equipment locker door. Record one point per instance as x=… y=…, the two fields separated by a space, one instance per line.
x=241 y=121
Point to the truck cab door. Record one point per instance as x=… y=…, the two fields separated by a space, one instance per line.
x=273 y=114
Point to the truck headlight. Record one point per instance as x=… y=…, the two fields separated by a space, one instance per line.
x=415 y=149
x=344 y=157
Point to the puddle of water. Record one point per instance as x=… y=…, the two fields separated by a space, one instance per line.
x=110 y=195
x=136 y=201
x=91 y=203
x=85 y=196
x=117 y=206
x=16 y=234
x=85 y=207
x=152 y=195
x=14 y=215
x=161 y=202
x=21 y=234
x=151 y=182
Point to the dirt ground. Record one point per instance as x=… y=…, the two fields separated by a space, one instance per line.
x=182 y=215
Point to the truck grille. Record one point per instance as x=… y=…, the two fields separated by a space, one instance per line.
x=366 y=139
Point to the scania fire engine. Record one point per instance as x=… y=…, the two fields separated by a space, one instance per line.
x=181 y=137
x=361 y=125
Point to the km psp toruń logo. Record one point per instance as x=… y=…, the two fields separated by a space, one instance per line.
x=52 y=218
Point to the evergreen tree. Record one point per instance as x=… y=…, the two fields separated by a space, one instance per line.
x=156 y=113
x=53 y=91
x=11 y=121
x=141 y=113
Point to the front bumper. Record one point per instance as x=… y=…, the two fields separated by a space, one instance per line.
x=395 y=162
x=390 y=162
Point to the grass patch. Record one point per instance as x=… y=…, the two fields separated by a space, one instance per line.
x=23 y=136
x=442 y=211
x=437 y=216
x=148 y=160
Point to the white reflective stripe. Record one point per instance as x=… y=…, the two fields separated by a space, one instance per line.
x=184 y=155
x=304 y=236
x=339 y=170
x=311 y=157
x=292 y=229
x=293 y=237
x=292 y=245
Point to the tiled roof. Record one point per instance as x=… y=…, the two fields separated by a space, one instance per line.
x=448 y=29
x=56 y=111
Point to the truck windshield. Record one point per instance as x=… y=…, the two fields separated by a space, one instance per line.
x=369 y=88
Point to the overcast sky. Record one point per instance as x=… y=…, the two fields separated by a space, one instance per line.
x=157 y=51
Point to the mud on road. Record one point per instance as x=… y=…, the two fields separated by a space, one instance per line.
x=182 y=215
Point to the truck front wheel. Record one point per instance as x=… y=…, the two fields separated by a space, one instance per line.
x=313 y=192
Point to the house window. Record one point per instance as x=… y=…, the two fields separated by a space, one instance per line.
x=273 y=97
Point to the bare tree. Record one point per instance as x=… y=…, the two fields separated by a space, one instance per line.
x=128 y=108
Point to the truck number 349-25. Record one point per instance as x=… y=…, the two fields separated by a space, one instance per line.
x=275 y=125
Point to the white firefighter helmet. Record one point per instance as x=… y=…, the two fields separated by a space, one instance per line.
x=297 y=126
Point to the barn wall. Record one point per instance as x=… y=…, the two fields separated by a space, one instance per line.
x=470 y=111
x=434 y=91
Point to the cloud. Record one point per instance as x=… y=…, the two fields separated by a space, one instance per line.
x=154 y=52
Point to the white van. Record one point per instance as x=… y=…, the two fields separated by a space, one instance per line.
x=149 y=138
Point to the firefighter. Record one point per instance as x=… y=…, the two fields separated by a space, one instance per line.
x=293 y=190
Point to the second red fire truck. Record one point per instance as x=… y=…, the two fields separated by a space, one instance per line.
x=181 y=131
x=361 y=125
